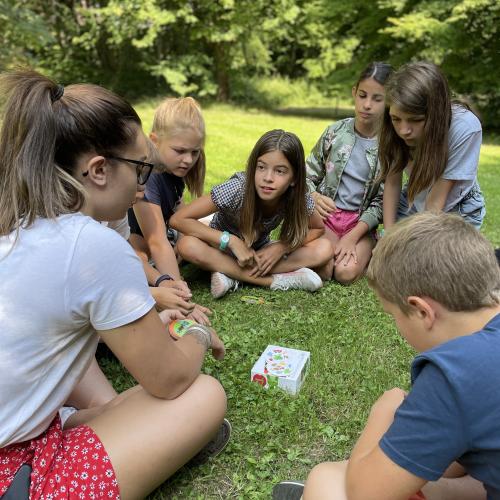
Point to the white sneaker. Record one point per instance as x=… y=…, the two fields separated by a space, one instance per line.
x=302 y=279
x=220 y=284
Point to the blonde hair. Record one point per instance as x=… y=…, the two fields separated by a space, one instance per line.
x=436 y=255
x=174 y=116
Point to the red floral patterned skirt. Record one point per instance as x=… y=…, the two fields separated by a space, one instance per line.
x=65 y=464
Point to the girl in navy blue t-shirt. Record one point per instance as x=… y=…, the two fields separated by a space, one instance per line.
x=179 y=134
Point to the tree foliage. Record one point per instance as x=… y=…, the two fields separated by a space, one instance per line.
x=214 y=48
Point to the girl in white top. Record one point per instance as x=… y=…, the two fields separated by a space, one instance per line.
x=68 y=158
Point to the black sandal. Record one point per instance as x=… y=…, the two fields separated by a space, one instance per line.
x=19 y=489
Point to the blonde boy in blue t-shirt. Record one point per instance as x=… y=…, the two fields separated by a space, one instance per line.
x=439 y=279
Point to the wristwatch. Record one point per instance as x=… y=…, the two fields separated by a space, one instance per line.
x=224 y=240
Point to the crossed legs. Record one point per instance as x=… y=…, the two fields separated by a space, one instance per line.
x=313 y=255
x=148 y=439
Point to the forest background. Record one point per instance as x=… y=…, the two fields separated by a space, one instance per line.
x=285 y=53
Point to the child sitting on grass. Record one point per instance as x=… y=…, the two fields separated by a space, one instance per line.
x=179 y=135
x=439 y=279
x=435 y=140
x=343 y=177
x=248 y=207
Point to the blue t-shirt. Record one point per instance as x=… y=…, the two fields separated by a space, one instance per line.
x=452 y=412
x=464 y=145
x=164 y=190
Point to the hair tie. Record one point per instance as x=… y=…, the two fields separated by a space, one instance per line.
x=57 y=93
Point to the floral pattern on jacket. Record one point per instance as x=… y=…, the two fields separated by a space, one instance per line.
x=326 y=164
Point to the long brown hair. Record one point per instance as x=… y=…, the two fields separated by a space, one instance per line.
x=45 y=129
x=172 y=117
x=296 y=221
x=378 y=70
x=418 y=88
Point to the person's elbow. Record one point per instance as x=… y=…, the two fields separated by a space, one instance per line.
x=175 y=222
x=391 y=185
x=158 y=243
x=170 y=385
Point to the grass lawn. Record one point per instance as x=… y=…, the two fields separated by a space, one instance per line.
x=356 y=352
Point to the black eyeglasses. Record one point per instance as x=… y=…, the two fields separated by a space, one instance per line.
x=143 y=168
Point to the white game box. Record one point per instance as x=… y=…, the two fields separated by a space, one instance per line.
x=281 y=367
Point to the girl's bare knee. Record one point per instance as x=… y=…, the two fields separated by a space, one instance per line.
x=213 y=392
x=189 y=249
x=321 y=252
x=182 y=246
x=324 y=250
x=212 y=386
x=346 y=274
x=320 y=471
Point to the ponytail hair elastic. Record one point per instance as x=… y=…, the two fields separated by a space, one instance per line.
x=57 y=93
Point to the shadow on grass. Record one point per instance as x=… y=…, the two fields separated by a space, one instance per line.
x=329 y=112
x=312 y=112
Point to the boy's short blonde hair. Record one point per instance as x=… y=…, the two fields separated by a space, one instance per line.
x=439 y=256
x=174 y=116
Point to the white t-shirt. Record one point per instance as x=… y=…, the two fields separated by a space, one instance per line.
x=121 y=226
x=62 y=280
x=464 y=143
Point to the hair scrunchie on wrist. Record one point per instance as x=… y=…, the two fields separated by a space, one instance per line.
x=163 y=277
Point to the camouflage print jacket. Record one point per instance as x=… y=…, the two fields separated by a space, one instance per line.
x=326 y=164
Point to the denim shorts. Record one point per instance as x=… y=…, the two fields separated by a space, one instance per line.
x=471 y=207
x=172 y=236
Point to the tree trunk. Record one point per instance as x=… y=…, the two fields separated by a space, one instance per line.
x=221 y=71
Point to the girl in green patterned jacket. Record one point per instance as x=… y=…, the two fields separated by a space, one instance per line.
x=341 y=174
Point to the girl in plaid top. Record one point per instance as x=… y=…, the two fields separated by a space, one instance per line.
x=237 y=246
